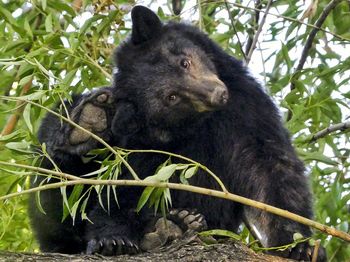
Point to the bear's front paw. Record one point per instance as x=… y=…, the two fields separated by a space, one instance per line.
x=112 y=245
x=93 y=113
x=188 y=219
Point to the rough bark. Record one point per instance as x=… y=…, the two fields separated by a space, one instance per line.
x=227 y=251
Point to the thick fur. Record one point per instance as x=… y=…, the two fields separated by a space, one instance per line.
x=212 y=111
x=243 y=142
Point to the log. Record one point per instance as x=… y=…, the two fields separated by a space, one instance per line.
x=227 y=251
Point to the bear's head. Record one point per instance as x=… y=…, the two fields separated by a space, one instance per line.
x=166 y=71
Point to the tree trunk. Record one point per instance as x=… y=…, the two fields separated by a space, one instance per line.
x=227 y=251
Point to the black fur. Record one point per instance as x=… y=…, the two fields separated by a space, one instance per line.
x=213 y=112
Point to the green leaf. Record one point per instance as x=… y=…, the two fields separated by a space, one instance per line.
x=28 y=28
x=297 y=236
x=190 y=172
x=44 y=4
x=26 y=117
x=48 y=23
x=16 y=135
x=317 y=156
x=20 y=147
x=220 y=232
x=163 y=174
x=144 y=198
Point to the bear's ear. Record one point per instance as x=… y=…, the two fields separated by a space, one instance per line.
x=145 y=24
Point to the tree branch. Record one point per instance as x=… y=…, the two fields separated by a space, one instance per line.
x=337 y=127
x=235 y=31
x=309 y=41
x=194 y=189
x=99 y=139
x=341 y=38
x=13 y=119
x=313 y=33
x=189 y=188
x=255 y=20
x=256 y=36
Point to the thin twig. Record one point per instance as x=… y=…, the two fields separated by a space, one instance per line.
x=316 y=249
x=255 y=21
x=235 y=31
x=42 y=170
x=77 y=4
x=256 y=36
x=99 y=139
x=313 y=33
x=199 y=5
x=337 y=127
x=217 y=179
x=13 y=119
x=194 y=189
x=309 y=41
x=285 y=18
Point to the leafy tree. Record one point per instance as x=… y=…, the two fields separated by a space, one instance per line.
x=52 y=49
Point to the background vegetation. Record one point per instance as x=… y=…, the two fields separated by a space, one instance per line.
x=300 y=51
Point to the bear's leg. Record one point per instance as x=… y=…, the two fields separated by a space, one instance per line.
x=65 y=145
x=277 y=180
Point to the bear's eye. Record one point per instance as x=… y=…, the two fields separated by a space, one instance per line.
x=172 y=98
x=185 y=63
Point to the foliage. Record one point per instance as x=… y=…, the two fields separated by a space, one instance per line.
x=52 y=49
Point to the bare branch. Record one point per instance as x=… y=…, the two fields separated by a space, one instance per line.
x=193 y=189
x=338 y=127
x=13 y=119
x=99 y=139
x=309 y=41
x=255 y=20
x=313 y=33
x=235 y=31
x=256 y=36
x=341 y=38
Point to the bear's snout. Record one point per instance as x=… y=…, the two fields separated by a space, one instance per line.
x=220 y=96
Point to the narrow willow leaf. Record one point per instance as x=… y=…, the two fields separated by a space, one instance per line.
x=26 y=117
x=88 y=23
x=66 y=207
x=16 y=135
x=96 y=172
x=74 y=209
x=44 y=4
x=20 y=147
x=155 y=199
x=108 y=198
x=14 y=172
x=38 y=202
x=14 y=184
x=167 y=197
x=144 y=198
x=221 y=232
x=27 y=28
x=34 y=96
x=48 y=23
x=163 y=173
x=190 y=172
x=37 y=199
x=99 y=196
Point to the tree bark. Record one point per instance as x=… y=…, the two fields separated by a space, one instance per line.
x=227 y=251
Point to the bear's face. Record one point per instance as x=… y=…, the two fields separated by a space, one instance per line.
x=170 y=79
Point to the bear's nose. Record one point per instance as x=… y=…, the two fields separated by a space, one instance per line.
x=220 y=96
x=223 y=97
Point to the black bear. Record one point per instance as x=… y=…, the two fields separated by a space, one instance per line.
x=179 y=91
